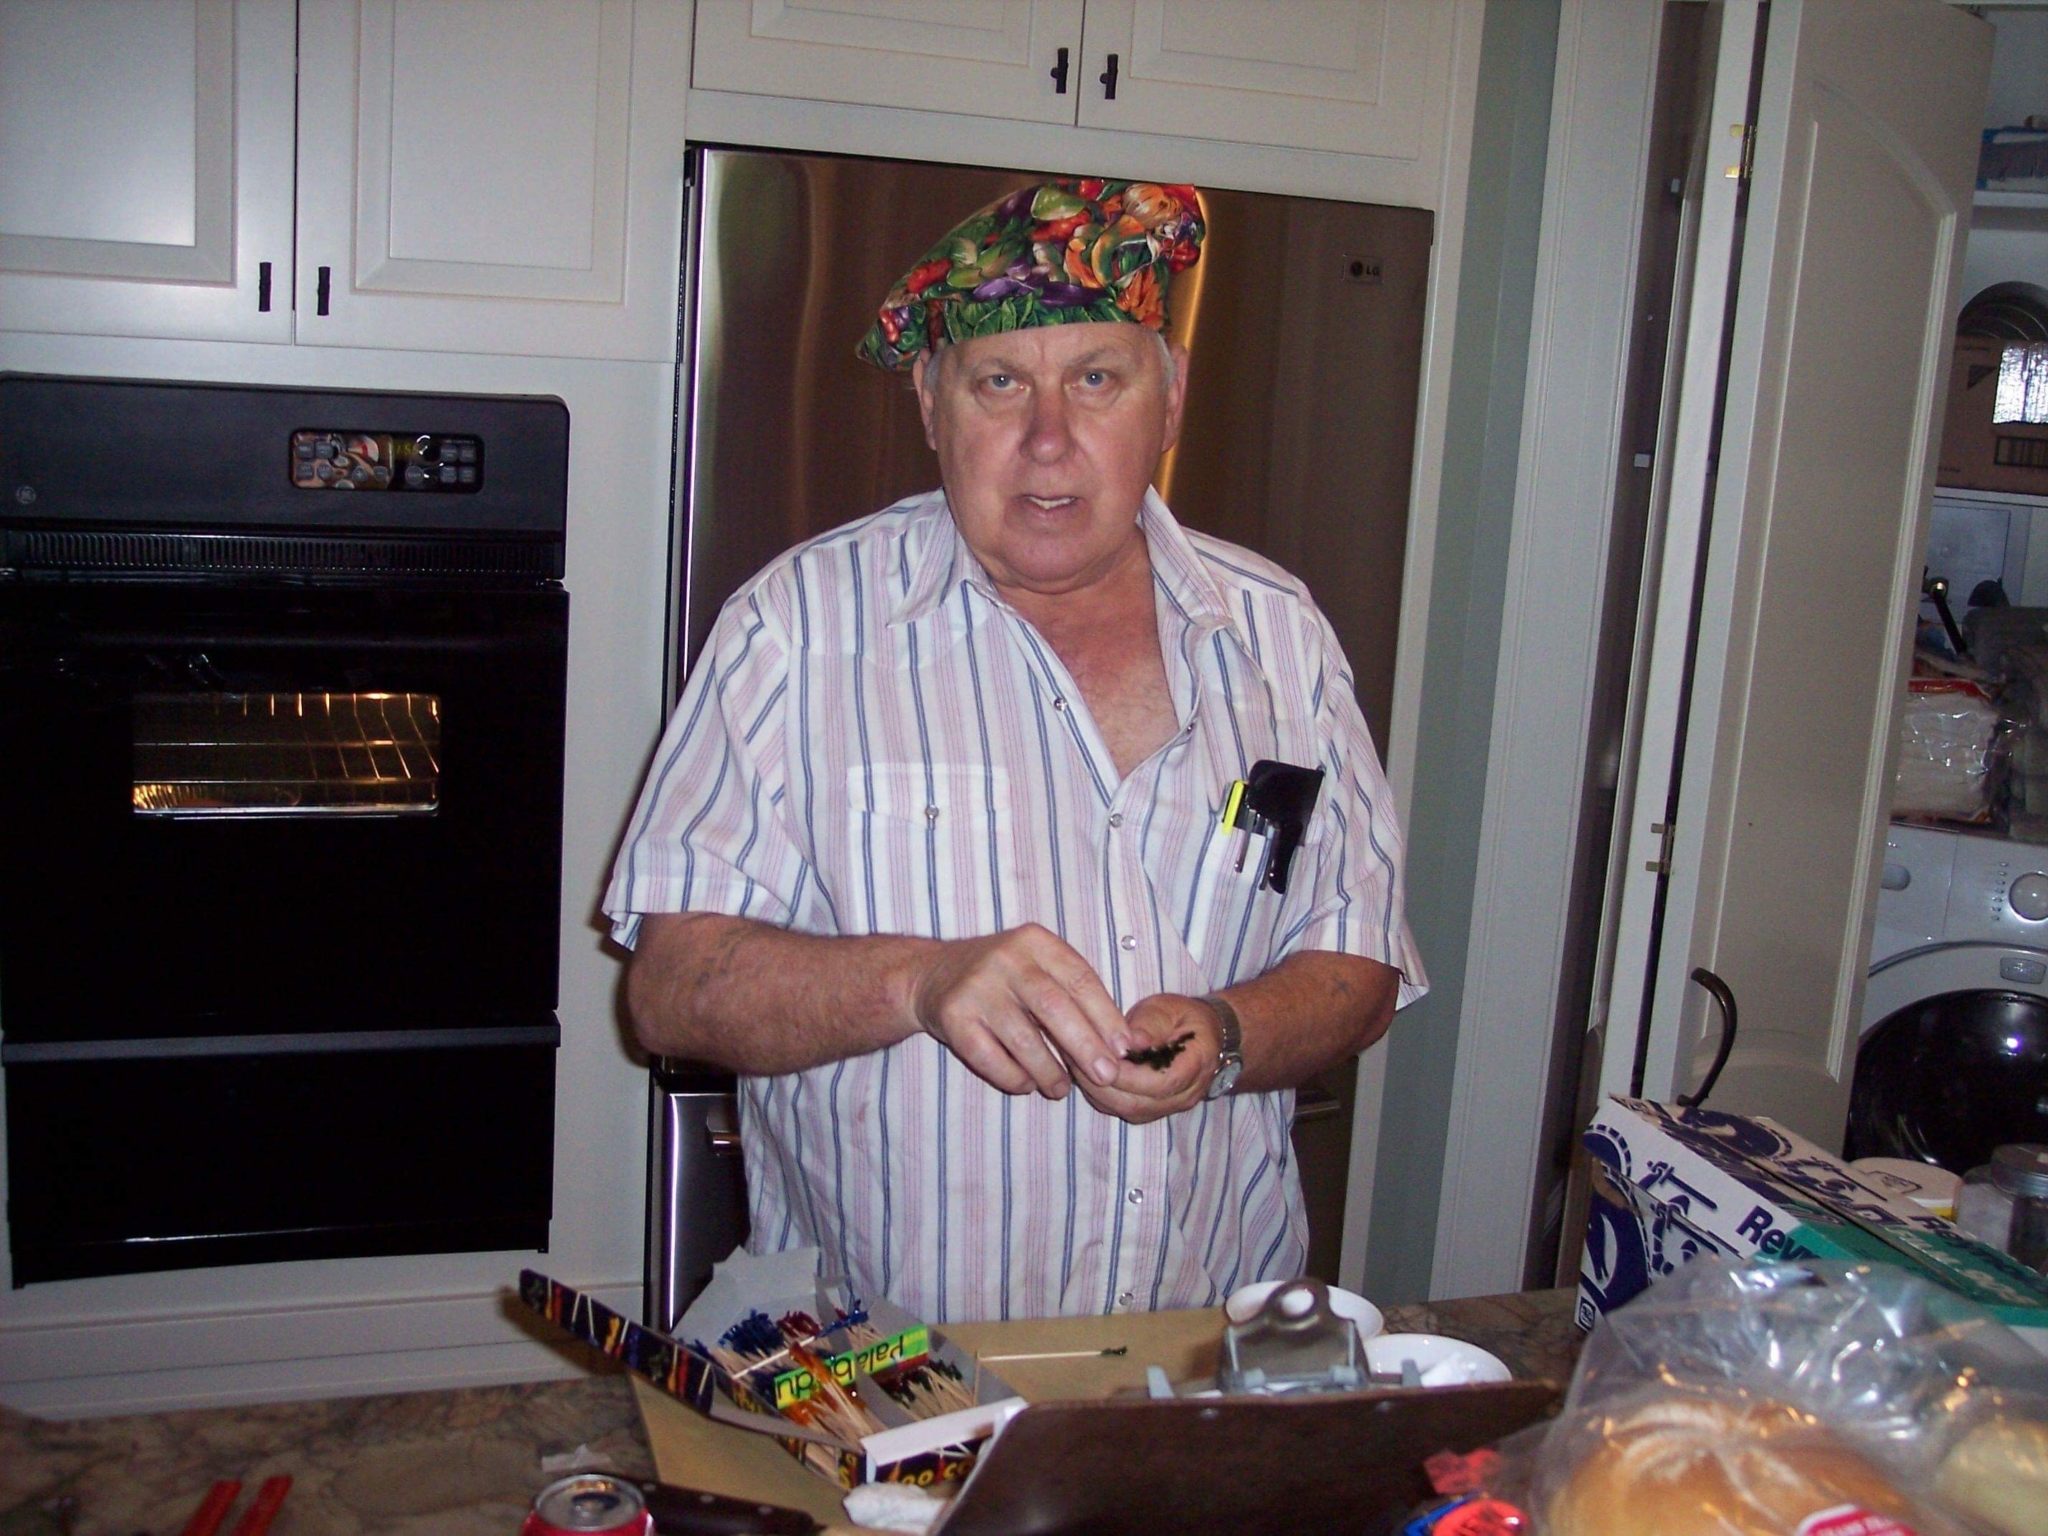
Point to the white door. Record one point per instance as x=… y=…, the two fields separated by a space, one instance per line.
x=1353 y=78
x=146 y=168
x=502 y=177
x=990 y=58
x=1863 y=161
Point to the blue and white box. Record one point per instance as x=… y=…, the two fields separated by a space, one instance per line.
x=1671 y=1184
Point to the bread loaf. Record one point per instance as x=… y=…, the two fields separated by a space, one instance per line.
x=1998 y=1473
x=1701 y=1467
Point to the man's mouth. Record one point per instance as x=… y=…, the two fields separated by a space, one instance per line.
x=1048 y=503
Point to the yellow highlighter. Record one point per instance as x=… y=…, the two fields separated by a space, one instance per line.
x=1232 y=803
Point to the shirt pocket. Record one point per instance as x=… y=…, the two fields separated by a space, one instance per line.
x=930 y=849
x=1232 y=918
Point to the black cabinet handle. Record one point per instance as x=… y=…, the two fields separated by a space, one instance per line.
x=320 y=299
x=1059 y=75
x=1108 y=79
x=263 y=287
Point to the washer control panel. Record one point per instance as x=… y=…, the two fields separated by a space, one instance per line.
x=2000 y=891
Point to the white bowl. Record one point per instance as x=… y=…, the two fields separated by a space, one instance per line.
x=1245 y=1301
x=1442 y=1362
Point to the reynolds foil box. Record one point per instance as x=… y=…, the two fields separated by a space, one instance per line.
x=1671 y=1184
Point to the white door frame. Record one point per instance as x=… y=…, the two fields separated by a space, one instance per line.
x=1565 y=478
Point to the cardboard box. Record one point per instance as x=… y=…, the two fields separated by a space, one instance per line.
x=1672 y=1184
x=940 y=1448
x=1977 y=452
x=685 y=1366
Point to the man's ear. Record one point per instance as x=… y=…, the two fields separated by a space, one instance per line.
x=1176 y=395
x=925 y=401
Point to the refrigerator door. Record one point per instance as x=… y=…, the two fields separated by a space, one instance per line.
x=697 y=1196
x=1304 y=321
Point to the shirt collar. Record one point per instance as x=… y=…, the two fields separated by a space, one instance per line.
x=938 y=559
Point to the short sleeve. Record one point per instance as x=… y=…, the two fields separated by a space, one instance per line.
x=708 y=833
x=1358 y=898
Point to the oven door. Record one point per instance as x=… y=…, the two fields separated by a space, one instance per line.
x=278 y=809
x=278 y=939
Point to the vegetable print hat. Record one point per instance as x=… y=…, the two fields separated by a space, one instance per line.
x=1074 y=249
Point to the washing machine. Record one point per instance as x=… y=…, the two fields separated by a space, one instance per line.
x=1953 y=1055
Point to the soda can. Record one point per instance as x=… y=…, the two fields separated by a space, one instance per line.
x=589 y=1504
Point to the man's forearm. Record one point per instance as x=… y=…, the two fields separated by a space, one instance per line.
x=759 y=999
x=1313 y=1009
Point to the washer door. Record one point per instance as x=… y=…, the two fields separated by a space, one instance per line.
x=1954 y=1059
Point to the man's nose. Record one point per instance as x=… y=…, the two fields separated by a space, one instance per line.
x=1049 y=432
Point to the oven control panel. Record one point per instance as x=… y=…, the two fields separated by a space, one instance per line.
x=341 y=459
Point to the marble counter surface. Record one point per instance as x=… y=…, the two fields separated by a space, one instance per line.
x=464 y=1462
x=452 y=1463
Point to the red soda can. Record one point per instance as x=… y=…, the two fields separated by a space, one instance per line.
x=589 y=1504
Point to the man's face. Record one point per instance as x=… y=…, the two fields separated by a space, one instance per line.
x=1046 y=440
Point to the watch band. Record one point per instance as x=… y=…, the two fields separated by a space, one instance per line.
x=1230 y=1055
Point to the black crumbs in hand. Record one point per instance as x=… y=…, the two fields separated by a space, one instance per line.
x=1162 y=1054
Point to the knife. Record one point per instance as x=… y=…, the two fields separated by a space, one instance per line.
x=693 y=1512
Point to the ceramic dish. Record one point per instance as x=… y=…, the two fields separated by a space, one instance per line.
x=1245 y=1301
x=1442 y=1362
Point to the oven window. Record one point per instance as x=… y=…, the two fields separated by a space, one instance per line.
x=287 y=754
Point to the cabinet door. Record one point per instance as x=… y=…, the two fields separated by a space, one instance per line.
x=491 y=175
x=1362 y=78
x=146 y=181
x=1865 y=152
x=990 y=58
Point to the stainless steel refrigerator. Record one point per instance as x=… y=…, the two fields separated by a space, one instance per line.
x=1304 y=321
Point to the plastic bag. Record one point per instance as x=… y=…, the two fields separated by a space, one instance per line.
x=1817 y=1399
x=1949 y=739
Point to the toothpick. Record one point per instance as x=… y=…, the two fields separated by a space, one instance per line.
x=1056 y=1354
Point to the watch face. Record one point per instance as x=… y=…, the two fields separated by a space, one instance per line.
x=1225 y=1078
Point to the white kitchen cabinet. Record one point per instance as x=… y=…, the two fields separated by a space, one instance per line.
x=146 y=182
x=469 y=175
x=1364 y=77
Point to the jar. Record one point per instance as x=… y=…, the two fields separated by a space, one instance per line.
x=2005 y=1203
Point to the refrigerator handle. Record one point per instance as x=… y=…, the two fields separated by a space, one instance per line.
x=1059 y=74
x=1108 y=79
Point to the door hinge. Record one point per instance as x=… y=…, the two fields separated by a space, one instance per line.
x=1745 y=134
x=1661 y=865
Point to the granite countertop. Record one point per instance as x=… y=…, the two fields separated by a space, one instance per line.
x=464 y=1462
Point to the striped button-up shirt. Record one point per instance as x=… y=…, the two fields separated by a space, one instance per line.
x=875 y=742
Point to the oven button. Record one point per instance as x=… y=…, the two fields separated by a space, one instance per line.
x=2028 y=973
x=447 y=474
x=469 y=474
x=2028 y=897
x=414 y=475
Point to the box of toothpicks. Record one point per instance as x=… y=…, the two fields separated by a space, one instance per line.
x=854 y=1387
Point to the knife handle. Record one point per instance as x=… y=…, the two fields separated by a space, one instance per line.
x=692 y=1512
x=214 y=1507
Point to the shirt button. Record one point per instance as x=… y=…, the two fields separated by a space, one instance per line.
x=1126 y=1299
x=931 y=813
x=1116 y=818
x=1135 y=1195
x=1059 y=701
x=1129 y=941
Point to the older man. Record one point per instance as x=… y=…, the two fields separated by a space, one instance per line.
x=986 y=843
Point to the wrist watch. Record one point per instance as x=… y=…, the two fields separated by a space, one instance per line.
x=1230 y=1059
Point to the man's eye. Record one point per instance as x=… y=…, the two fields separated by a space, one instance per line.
x=998 y=381
x=1095 y=378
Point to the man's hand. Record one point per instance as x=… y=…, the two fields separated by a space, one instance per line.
x=1141 y=1094
x=1024 y=1011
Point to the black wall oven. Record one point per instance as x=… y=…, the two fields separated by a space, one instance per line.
x=281 y=696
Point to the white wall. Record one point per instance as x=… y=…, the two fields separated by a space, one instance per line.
x=272 y=1331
